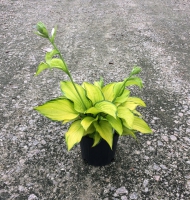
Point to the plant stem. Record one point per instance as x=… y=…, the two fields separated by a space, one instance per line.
x=122 y=88
x=68 y=73
x=76 y=89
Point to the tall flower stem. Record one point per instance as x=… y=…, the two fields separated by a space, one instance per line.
x=68 y=73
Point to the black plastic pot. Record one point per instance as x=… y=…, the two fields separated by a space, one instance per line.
x=99 y=155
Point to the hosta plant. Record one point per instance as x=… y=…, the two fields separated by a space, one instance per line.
x=96 y=110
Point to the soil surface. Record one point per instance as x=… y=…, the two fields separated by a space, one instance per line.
x=97 y=38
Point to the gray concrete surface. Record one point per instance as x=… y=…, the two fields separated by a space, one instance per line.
x=154 y=34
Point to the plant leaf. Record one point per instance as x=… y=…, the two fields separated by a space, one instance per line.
x=58 y=63
x=49 y=55
x=41 y=67
x=70 y=92
x=137 y=113
x=127 y=131
x=137 y=100
x=87 y=121
x=108 y=91
x=106 y=107
x=130 y=105
x=123 y=97
x=74 y=134
x=90 y=130
x=118 y=89
x=58 y=109
x=97 y=138
x=115 y=123
x=93 y=92
x=105 y=131
x=134 y=81
x=127 y=115
x=99 y=83
x=93 y=111
x=141 y=126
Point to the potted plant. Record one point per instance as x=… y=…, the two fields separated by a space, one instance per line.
x=97 y=113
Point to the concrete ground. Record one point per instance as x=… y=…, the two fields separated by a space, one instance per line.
x=97 y=38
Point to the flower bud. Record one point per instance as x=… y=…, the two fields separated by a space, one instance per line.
x=53 y=34
x=42 y=30
x=135 y=70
